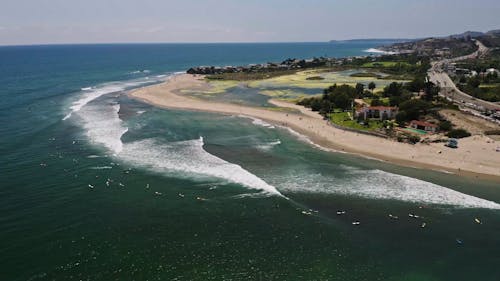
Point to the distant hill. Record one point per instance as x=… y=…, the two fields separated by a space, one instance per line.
x=467 y=34
x=476 y=34
x=495 y=32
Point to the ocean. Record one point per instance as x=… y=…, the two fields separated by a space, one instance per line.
x=97 y=186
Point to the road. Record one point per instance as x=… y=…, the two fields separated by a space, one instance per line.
x=438 y=76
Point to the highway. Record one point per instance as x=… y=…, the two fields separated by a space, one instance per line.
x=438 y=76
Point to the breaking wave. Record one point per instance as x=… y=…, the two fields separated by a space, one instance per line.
x=104 y=128
x=89 y=94
x=190 y=159
x=140 y=71
x=258 y=122
x=377 y=184
x=268 y=146
x=378 y=51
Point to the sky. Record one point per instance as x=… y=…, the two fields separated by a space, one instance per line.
x=142 y=21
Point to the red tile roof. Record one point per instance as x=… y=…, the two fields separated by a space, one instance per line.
x=422 y=123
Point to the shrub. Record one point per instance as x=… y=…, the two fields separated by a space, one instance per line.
x=458 y=134
x=492 y=132
x=445 y=125
x=413 y=139
x=376 y=102
x=401 y=118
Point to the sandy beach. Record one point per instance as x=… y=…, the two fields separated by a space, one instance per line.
x=476 y=156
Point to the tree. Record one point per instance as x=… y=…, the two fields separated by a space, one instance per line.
x=474 y=82
x=359 y=89
x=326 y=107
x=372 y=86
x=445 y=125
x=396 y=100
x=414 y=108
x=393 y=89
x=342 y=100
x=316 y=105
x=333 y=97
x=458 y=133
x=416 y=84
x=431 y=91
x=401 y=118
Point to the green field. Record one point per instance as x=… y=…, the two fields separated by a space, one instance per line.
x=344 y=119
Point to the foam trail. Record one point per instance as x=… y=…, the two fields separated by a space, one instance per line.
x=377 y=184
x=269 y=146
x=101 y=168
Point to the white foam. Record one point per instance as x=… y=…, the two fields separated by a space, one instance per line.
x=101 y=168
x=268 y=146
x=89 y=94
x=378 y=184
x=94 y=156
x=103 y=126
x=189 y=158
x=307 y=140
x=258 y=122
x=378 y=51
x=140 y=71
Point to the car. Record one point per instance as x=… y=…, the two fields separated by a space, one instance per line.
x=452 y=143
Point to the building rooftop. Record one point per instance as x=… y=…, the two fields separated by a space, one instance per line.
x=423 y=123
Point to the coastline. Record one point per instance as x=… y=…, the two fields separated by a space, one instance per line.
x=475 y=158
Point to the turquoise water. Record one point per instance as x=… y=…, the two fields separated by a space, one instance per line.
x=96 y=186
x=418 y=131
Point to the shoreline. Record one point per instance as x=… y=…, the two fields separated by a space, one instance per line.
x=476 y=157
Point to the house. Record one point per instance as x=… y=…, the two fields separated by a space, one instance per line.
x=491 y=70
x=426 y=126
x=377 y=112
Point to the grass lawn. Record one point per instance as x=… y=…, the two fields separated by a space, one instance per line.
x=493 y=85
x=384 y=64
x=385 y=101
x=344 y=119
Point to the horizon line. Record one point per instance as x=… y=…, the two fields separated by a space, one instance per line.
x=194 y=43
